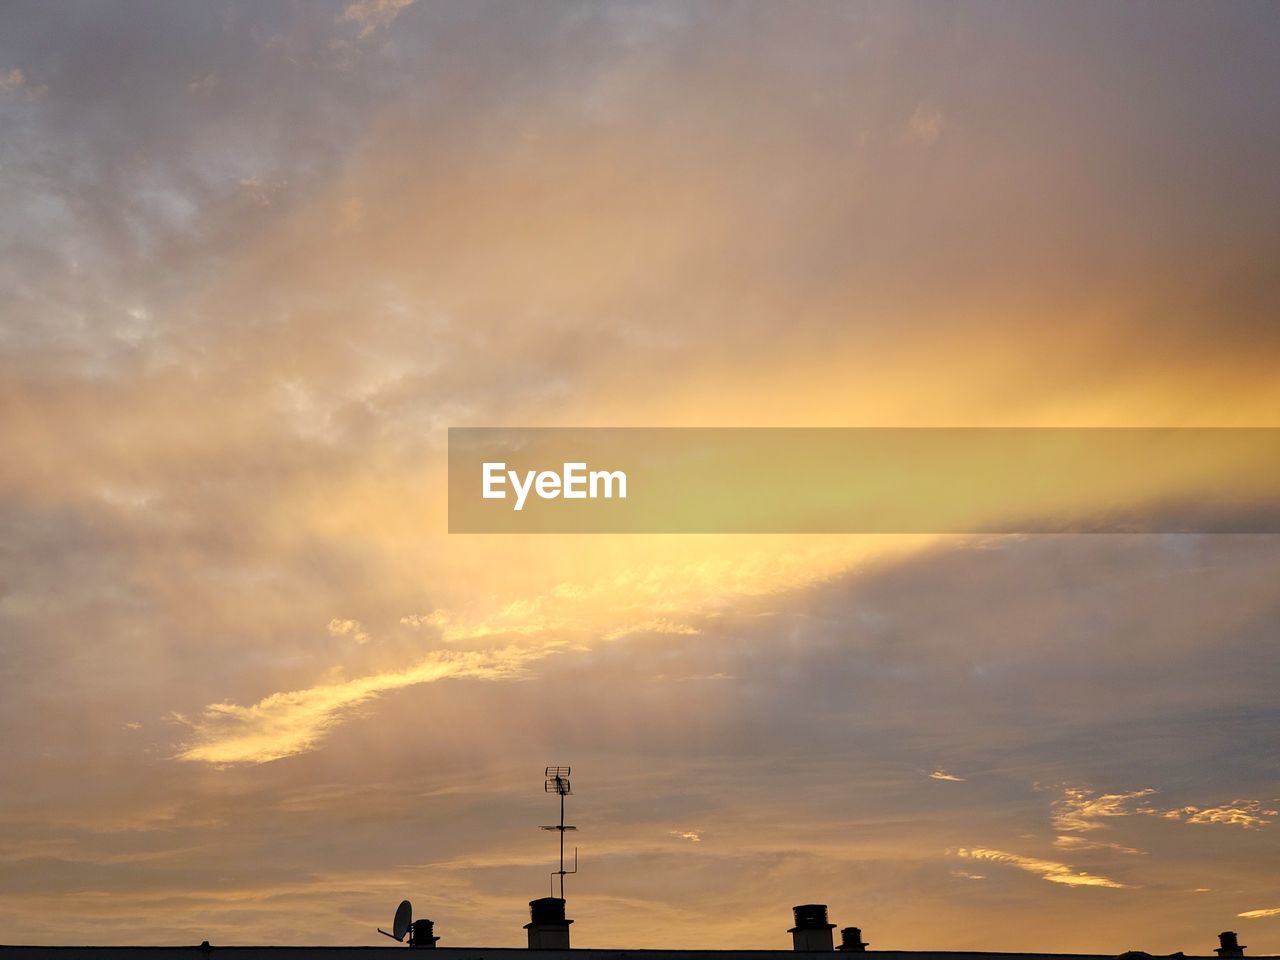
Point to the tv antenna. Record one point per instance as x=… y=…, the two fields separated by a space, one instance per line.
x=558 y=783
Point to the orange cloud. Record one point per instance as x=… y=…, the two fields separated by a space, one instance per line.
x=1048 y=869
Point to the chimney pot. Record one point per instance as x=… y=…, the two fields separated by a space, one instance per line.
x=422 y=935
x=1229 y=945
x=548 y=929
x=851 y=940
x=812 y=932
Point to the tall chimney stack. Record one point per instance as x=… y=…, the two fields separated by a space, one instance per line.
x=548 y=929
x=811 y=932
x=1228 y=945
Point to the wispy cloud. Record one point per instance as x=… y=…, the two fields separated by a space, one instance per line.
x=373 y=15
x=1083 y=843
x=16 y=79
x=1249 y=814
x=1260 y=914
x=349 y=628
x=925 y=124
x=943 y=775
x=1048 y=869
x=1081 y=810
x=691 y=835
x=706 y=676
x=285 y=724
x=204 y=84
x=655 y=625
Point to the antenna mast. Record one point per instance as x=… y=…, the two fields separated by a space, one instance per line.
x=558 y=783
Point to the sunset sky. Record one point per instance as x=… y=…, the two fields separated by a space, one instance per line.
x=257 y=257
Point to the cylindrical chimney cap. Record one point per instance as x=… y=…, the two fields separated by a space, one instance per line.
x=811 y=915
x=851 y=939
x=422 y=934
x=547 y=910
x=1227 y=938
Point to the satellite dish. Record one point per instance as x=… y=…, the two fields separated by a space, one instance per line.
x=403 y=921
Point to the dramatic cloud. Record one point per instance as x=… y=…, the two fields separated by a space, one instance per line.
x=255 y=259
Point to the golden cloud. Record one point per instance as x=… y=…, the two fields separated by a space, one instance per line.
x=288 y=723
x=1048 y=869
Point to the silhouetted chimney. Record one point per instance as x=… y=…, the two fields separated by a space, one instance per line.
x=811 y=932
x=851 y=940
x=1228 y=945
x=548 y=929
x=421 y=935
